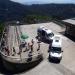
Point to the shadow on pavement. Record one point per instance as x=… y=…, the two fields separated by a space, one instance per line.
x=2 y=68
x=68 y=36
x=27 y=67
x=44 y=40
x=55 y=61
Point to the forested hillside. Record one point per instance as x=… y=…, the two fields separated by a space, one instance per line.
x=14 y=11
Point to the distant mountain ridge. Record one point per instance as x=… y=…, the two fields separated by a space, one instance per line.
x=15 y=11
x=57 y=10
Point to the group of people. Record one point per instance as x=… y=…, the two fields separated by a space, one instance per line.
x=4 y=48
x=31 y=45
x=28 y=46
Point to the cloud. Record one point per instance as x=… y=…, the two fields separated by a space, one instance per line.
x=46 y=1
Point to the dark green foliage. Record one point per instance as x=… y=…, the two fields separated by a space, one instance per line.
x=11 y=11
x=36 y=18
x=14 y=11
x=1 y=28
x=59 y=11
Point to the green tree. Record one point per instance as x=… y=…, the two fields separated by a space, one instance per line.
x=1 y=28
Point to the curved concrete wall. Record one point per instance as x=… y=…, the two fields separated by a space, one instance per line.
x=20 y=66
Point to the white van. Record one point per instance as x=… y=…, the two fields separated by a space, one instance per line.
x=45 y=33
x=56 y=48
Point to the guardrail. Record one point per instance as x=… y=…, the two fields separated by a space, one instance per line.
x=59 y=22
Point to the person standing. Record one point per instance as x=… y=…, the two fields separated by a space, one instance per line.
x=31 y=46
x=32 y=42
x=14 y=50
x=7 y=50
x=28 y=46
x=38 y=45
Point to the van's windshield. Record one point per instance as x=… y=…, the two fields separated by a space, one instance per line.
x=50 y=35
x=56 y=49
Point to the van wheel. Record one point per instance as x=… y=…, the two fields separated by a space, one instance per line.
x=58 y=61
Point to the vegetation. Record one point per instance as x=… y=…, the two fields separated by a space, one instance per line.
x=14 y=11
x=1 y=27
x=36 y=18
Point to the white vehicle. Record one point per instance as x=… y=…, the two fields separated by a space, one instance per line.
x=45 y=33
x=56 y=48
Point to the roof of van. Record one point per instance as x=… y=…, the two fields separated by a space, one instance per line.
x=57 y=41
x=48 y=31
x=45 y=29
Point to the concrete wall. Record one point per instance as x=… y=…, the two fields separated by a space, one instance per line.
x=18 y=67
x=70 y=30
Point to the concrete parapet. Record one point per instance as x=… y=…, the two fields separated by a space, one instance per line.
x=15 y=65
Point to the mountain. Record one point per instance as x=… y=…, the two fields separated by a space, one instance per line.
x=15 y=11
x=11 y=10
x=62 y=11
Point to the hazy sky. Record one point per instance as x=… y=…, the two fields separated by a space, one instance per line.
x=46 y=1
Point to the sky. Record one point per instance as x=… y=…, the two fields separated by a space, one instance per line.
x=46 y=1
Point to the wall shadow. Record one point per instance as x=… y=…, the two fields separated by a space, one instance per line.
x=68 y=36
x=3 y=70
x=44 y=40
x=27 y=66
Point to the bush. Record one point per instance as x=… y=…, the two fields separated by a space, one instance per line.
x=1 y=28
